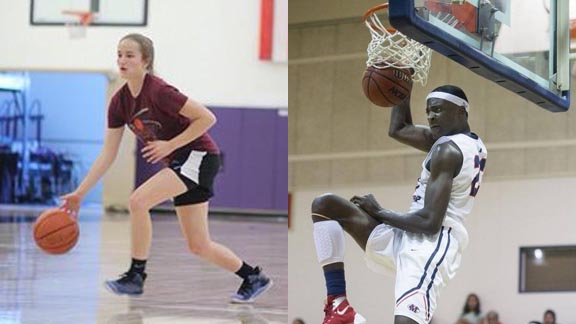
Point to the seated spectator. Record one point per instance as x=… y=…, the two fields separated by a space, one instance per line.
x=549 y=318
x=491 y=318
x=471 y=314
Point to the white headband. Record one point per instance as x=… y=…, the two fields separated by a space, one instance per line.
x=449 y=97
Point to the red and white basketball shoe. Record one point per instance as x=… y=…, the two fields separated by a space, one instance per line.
x=338 y=311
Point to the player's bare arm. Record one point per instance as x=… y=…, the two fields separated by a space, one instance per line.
x=403 y=129
x=445 y=163
x=107 y=155
x=201 y=120
x=112 y=139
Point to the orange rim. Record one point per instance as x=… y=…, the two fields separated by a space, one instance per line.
x=85 y=17
x=371 y=11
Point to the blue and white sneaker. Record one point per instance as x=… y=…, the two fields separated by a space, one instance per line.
x=130 y=283
x=255 y=285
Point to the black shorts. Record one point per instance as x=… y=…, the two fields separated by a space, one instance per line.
x=197 y=171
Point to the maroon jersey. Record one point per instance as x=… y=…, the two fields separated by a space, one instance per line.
x=154 y=115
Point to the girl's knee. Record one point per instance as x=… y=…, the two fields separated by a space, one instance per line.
x=199 y=248
x=137 y=203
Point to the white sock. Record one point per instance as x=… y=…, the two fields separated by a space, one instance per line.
x=329 y=242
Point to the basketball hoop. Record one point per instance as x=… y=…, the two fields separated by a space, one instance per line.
x=391 y=48
x=77 y=29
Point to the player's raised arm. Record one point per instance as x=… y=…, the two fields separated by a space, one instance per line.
x=403 y=129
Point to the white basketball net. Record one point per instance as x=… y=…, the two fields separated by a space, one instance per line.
x=76 y=29
x=394 y=49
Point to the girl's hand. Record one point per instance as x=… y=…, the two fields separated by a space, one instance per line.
x=155 y=151
x=71 y=203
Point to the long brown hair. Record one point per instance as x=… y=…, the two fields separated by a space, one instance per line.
x=468 y=309
x=146 y=48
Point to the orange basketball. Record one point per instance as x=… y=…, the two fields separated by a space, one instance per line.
x=55 y=231
x=386 y=87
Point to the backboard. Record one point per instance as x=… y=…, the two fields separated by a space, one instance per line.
x=106 y=12
x=522 y=45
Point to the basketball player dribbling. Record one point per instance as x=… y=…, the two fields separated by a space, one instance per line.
x=173 y=129
x=422 y=247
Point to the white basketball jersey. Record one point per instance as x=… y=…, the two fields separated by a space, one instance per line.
x=464 y=187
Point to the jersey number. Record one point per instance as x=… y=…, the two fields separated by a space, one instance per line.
x=478 y=164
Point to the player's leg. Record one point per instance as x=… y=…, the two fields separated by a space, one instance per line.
x=194 y=224
x=350 y=217
x=425 y=264
x=162 y=186
x=198 y=172
x=332 y=215
x=398 y=319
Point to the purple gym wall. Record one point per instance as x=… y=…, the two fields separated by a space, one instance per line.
x=254 y=174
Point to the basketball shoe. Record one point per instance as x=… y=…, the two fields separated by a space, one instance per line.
x=338 y=311
x=255 y=285
x=130 y=283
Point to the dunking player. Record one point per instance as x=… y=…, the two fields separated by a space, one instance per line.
x=423 y=247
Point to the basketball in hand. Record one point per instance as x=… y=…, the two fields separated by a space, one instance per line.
x=55 y=231
x=386 y=87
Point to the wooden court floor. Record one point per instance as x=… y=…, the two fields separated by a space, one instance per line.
x=36 y=288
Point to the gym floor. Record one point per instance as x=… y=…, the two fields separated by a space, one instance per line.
x=37 y=288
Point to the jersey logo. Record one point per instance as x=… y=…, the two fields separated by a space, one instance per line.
x=144 y=128
x=341 y=312
x=413 y=308
x=416 y=198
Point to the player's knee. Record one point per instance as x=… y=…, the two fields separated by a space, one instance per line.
x=199 y=248
x=323 y=202
x=324 y=205
x=137 y=203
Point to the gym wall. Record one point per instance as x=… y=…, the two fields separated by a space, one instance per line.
x=209 y=50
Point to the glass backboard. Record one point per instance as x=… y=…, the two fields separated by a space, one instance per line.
x=522 y=45
x=106 y=12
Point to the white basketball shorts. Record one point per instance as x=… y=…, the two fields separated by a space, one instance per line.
x=423 y=264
